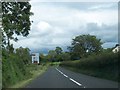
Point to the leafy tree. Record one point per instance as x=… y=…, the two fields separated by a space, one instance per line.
x=11 y=48
x=24 y=54
x=51 y=55
x=65 y=56
x=43 y=58
x=107 y=50
x=84 y=45
x=58 y=50
x=15 y=20
x=58 y=56
x=55 y=55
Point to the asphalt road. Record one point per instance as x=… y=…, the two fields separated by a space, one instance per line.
x=63 y=78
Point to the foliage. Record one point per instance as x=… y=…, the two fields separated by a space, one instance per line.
x=14 y=66
x=15 y=20
x=84 y=45
x=43 y=58
x=35 y=71
x=51 y=55
x=65 y=56
x=108 y=50
x=58 y=55
x=100 y=65
x=24 y=53
x=58 y=50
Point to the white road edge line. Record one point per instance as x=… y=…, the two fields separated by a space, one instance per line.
x=59 y=71
x=65 y=75
x=69 y=78
x=75 y=82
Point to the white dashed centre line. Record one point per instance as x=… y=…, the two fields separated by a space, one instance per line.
x=65 y=75
x=75 y=82
x=69 y=78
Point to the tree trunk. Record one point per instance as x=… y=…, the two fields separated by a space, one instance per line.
x=8 y=44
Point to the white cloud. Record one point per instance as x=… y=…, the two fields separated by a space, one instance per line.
x=43 y=25
x=103 y=6
x=43 y=28
x=56 y=26
x=104 y=16
x=70 y=15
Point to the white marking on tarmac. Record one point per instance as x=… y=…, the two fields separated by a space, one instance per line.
x=65 y=75
x=59 y=71
x=69 y=78
x=56 y=69
x=75 y=82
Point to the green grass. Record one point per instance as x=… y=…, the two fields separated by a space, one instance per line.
x=55 y=64
x=35 y=70
x=104 y=65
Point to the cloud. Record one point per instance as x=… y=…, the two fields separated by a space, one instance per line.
x=60 y=14
x=109 y=44
x=104 y=5
x=43 y=25
x=43 y=28
x=57 y=24
x=107 y=33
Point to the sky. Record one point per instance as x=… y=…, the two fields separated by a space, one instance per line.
x=57 y=23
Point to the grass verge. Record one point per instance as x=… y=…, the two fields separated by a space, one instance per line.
x=55 y=64
x=36 y=71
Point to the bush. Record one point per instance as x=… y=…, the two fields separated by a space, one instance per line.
x=100 y=65
x=13 y=69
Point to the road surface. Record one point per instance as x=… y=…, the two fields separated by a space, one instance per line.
x=58 y=77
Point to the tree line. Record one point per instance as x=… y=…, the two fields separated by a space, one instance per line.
x=81 y=46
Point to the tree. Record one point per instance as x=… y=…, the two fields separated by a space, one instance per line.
x=58 y=50
x=24 y=54
x=15 y=20
x=84 y=45
x=11 y=49
x=42 y=58
x=65 y=56
x=58 y=56
x=51 y=55
x=107 y=50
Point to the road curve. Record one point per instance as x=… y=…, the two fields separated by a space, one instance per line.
x=63 y=78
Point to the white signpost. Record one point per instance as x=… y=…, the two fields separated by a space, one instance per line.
x=35 y=58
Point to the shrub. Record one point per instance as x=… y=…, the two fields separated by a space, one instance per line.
x=100 y=65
